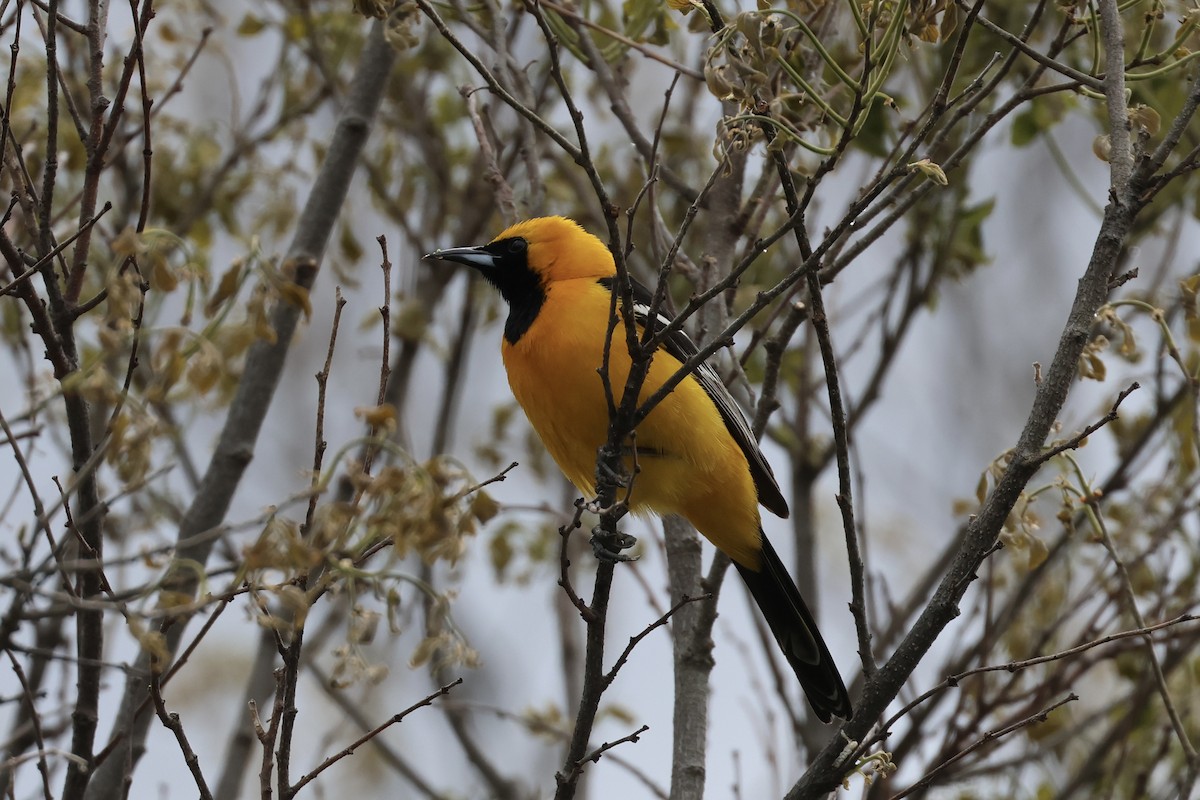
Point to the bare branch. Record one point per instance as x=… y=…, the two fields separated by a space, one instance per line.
x=988 y=738
x=611 y=675
x=1078 y=439
x=594 y=756
x=371 y=734
x=264 y=364
x=172 y=722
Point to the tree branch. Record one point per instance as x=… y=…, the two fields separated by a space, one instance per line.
x=981 y=534
x=264 y=364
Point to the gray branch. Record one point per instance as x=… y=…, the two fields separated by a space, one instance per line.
x=264 y=364
x=979 y=540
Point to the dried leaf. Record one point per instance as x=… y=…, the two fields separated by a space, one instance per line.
x=152 y=642
x=1145 y=118
x=226 y=287
x=1038 y=552
x=296 y=295
x=483 y=506
x=949 y=21
x=204 y=369
x=930 y=170
x=382 y=416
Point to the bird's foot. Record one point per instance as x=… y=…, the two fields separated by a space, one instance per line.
x=608 y=547
x=619 y=479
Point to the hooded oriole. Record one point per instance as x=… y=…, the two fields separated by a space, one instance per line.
x=696 y=455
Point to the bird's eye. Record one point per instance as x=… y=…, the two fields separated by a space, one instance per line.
x=517 y=246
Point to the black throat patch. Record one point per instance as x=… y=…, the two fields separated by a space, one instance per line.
x=519 y=285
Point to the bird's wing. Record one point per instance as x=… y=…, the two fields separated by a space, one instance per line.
x=681 y=346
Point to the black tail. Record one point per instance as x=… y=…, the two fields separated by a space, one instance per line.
x=796 y=632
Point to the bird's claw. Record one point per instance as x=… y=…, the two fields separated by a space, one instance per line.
x=608 y=547
x=619 y=479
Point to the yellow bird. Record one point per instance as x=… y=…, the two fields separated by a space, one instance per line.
x=695 y=452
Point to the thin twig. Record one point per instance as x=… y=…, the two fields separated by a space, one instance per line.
x=493 y=84
x=35 y=721
x=658 y=623
x=1018 y=43
x=319 y=443
x=267 y=736
x=172 y=722
x=988 y=738
x=46 y=260
x=492 y=172
x=594 y=756
x=1079 y=438
x=564 y=561
x=371 y=734
x=385 y=360
x=386 y=752
x=648 y=52
x=1129 y=596
x=1017 y=666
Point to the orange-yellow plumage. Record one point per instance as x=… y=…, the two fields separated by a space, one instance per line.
x=696 y=456
x=688 y=463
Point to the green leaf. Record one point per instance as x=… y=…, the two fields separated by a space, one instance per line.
x=251 y=25
x=875 y=135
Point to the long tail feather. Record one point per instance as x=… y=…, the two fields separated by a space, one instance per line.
x=796 y=632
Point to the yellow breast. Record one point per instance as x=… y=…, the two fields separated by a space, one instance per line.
x=687 y=463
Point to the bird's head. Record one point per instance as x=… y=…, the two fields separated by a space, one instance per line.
x=528 y=256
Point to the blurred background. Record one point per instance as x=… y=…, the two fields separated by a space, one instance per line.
x=353 y=580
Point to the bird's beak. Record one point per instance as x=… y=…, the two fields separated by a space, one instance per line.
x=475 y=257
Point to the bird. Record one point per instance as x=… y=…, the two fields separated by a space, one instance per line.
x=696 y=455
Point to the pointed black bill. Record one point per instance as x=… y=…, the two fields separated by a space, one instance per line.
x=475 y=257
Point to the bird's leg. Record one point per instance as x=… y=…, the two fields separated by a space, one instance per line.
x=608 y=546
